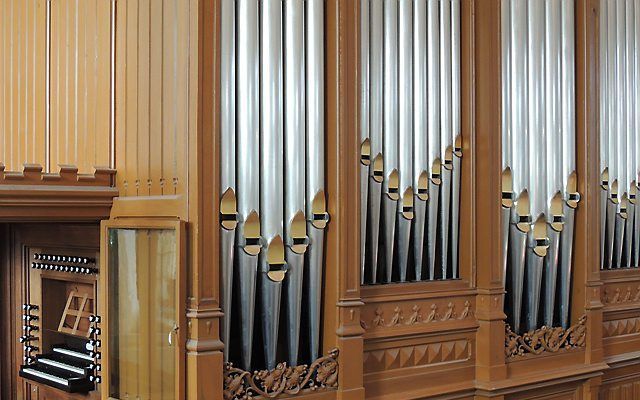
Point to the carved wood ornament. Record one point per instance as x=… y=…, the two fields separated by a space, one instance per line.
x=283 y=380
x=545 y=339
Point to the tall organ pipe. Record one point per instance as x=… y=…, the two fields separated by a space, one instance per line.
x=433 y=115
x=295 y=155
x=456 y=136
x=405 y=103
x=272 y=261
x=636 y=99
x=604 y=140
x=376 y=172
x=621 y=144
x=228 y=160
x=554 y=153
x=421 y=156
x=537 y=136
x=391 y=181
x=365 y=141
x=507 y=180
x=571 y=195
x=316 y=201
x=630 y=133
x=521 y=218
x=248 y=180
x=446 y=140
x=614 y=199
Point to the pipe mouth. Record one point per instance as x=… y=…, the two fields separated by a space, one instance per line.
x=407 y=204
x=298 y=231
x=507 y=188
x=251 y=232
x=523 y=213
x=277 y=267
x=423 y=186
x=365 y=152
x=393 y=190
x=228 y=210
x=624 y=204
x=319 y=216
x=378 y=168
x=448 y=158
x=573 y=197
x=604 y=179
x=436 y=172
x=613 y=192
x=457 y=146
x=540 y=238
x=632 y=192
x=556 y=210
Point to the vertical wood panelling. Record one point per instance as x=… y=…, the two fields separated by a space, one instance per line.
x=22 y=76
x=80 y=83
x=152 y=48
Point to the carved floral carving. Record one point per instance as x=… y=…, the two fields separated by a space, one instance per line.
x=545 y=339
x=415 y=317
x=283 y=380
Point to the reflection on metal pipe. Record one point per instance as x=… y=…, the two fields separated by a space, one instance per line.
x=456 y=135
x=365 y=143
x=295 y=155
x=316 y=201
x=507 y=178
x=405 y=134
x=248 y=180
x=604 y=143
x=228 y=203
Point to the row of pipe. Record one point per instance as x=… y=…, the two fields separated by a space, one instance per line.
x=619 y=37
x=539 y=182
x=273 y=206
x=410 y=140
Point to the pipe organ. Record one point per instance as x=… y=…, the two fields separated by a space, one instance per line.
x=410 y=140
x=619 y=133
x=539 y=182
x=273 y=205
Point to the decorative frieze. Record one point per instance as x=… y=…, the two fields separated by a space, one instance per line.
x=621 y=327
x=545 y=340
x=410 y=314
x=282 y=380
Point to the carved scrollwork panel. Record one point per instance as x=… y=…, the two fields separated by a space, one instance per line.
x=545 y=340
x=283 y=380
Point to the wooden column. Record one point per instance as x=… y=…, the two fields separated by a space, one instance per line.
x=342 y=289
x=486 y=143
x=204 y=348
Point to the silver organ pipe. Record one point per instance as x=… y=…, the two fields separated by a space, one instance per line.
x=456 y=135
x=620 y=224
x=295 y=167
x=228 y=208
x=539 y=179
x=569 y=176
x=446 y=140
x=405 y=134
x=421 y=167
x=538 y=240
x=411 y=122
x=554 y=155
x=272 y=159
x=317 y=215
x=248 y=170
x=376 y=173
x=391 y=179
x=365 y=141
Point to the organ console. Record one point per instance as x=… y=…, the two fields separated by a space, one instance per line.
x=61 y=329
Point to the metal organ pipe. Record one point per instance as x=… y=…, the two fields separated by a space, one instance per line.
x=228 y=206
x=630 y=132
x=405 y=142
x=273 y=155
x=248 y=179
x=411 y=121
x=614 y=199
x=317 y=215
x=636 y=130
x=507 y=180
x=604 y=139
x=391 y=179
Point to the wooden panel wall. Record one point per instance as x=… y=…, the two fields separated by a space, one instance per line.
x=55 y=80
x=23 y=43
x=152 y=96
